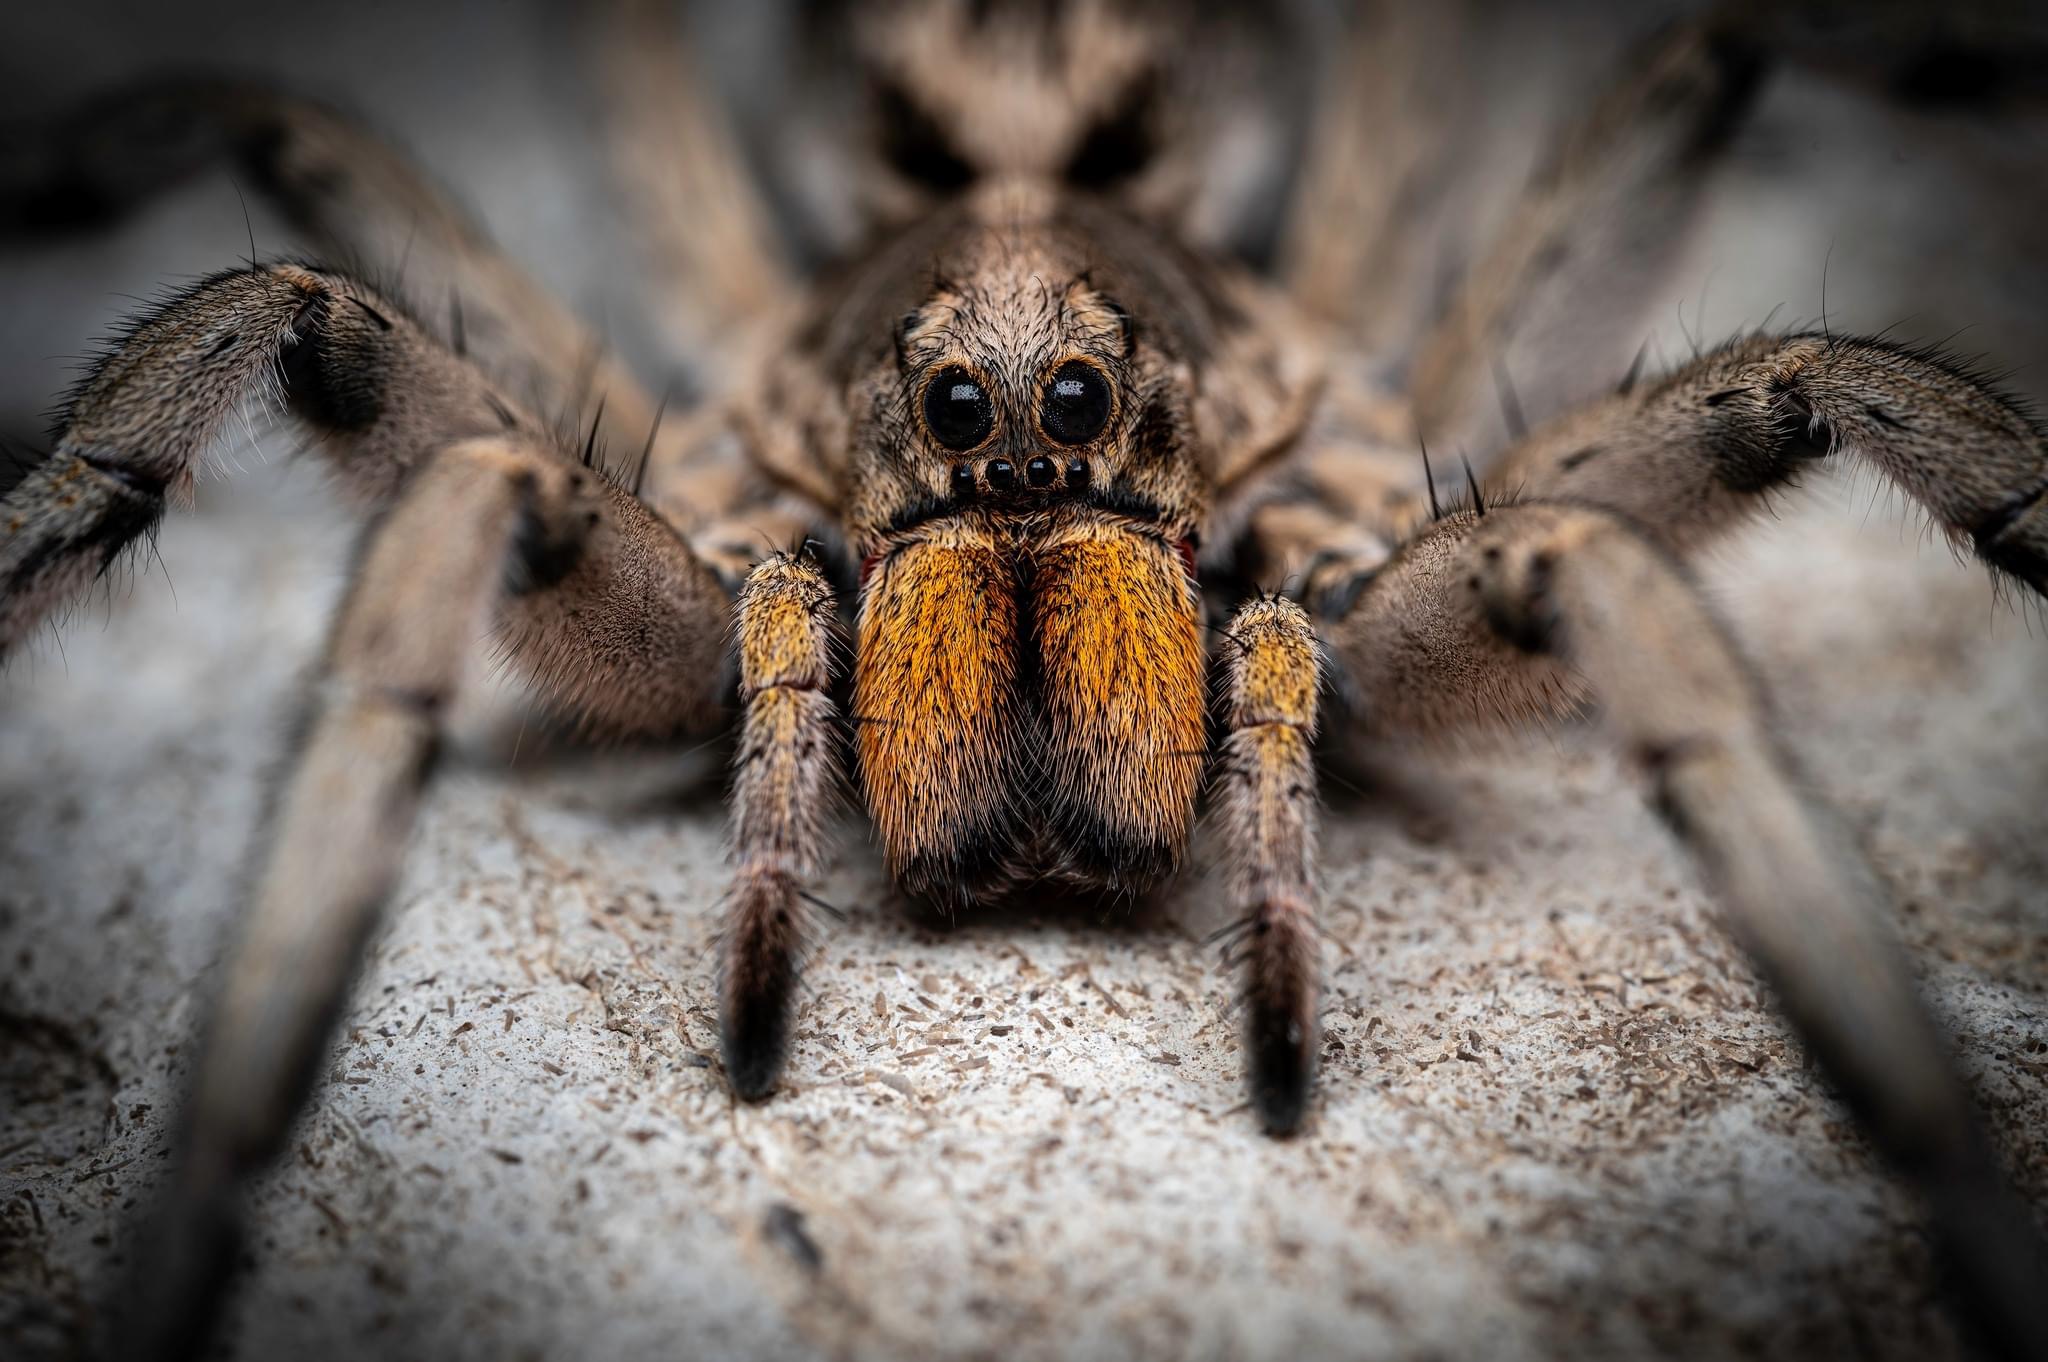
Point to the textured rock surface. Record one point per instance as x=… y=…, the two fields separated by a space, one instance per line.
x=1555 y=1112
x=1557 y=1119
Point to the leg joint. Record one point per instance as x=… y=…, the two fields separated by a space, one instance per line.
x=1274 y=669
x=785 y=619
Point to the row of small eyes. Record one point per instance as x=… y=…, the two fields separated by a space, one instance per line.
x=1073 y=409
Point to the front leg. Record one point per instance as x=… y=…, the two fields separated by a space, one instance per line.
x=1575 y=583
x=475 y=532
x=1528 y=610
x=1694 y=454
x=783 y=778
x=349 y=194
x=609 y=629
x=1266 y=803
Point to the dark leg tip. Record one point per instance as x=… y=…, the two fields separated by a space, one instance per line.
x=753 y=1038
x=758 y=992
x=1280 y=1049
x=751 y=1069
x=181 y=1278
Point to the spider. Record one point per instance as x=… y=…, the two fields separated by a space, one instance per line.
x=1085 y=510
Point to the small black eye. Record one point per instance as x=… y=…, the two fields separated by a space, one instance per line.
x=957 y=409
x=1076 y=405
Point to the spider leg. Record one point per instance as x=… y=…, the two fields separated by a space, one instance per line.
x=1558 y=293
x=1699 y=451
x=1522 y=610
x=686 y=195
x=622 y=628
x=1552 y=309
x=1552 y=297
x=1365 y=229
x=340 y=359
x=466 y=536
x=356 y=200
x=1264 y=793
x=609 y=614
x=784 y=773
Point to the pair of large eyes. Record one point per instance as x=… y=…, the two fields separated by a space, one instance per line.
x=1073 y=409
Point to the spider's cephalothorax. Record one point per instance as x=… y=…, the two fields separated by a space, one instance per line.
x=1058 y=388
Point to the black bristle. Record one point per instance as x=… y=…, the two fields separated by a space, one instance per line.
x=1635 y=371
x=590 y=440
x=647 y=450
x=1471 y=481
x=383 y=322
x=1825 y=261
x=1436 y=511
x=247 y=225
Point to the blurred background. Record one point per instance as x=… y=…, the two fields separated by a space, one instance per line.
x=1899 y=145
x=523 y=1150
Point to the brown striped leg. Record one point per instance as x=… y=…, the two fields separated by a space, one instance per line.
x=715 y=262
x=1553 y=308
x=1509 y=615
x=784 y=775
x=1675 y=695
x=1693 y=454
x=347 y=367
x=1265 y=800
x=621 y=629
x=1365 y=234
x=435 y=571
x=353 y=197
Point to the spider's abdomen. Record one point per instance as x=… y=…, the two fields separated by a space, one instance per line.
x=1030 y=712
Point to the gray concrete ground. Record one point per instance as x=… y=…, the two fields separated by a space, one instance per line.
x=1557 y=1117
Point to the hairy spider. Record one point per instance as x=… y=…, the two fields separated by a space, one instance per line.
x=1040 y=427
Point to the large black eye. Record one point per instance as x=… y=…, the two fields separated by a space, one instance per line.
x=957 y=410
x=1076 y=406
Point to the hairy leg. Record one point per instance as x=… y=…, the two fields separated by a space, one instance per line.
x=352 y=370
x=1524 y=609
x=1364 y=237
x=692 y=207
x=356 y=199
x=600 y=603
x=434 y=571
x=1265 y=799
x=1552 y=308
x=1545 y=308
x=1692 y=454
x=784 y=774
x=622 y=628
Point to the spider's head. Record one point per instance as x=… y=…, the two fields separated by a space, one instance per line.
x=1016 y=363
x=1021 y=480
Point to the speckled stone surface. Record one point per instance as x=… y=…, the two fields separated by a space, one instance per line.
x=1556 y=1114
x=1557 y=1118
